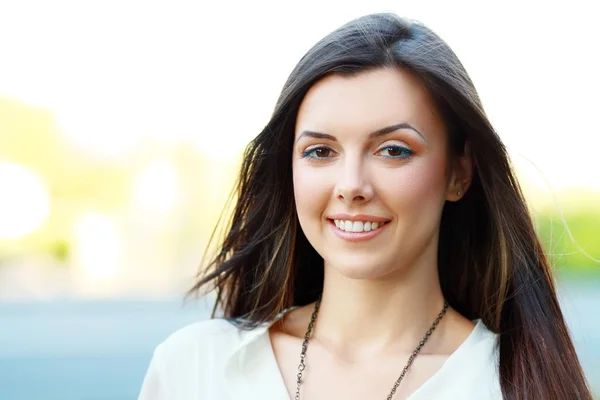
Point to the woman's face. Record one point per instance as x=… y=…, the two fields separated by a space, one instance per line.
x=371 y=171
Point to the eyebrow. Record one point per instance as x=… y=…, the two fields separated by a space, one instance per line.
x=379 y=132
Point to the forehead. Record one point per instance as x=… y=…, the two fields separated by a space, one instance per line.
x=366 y=102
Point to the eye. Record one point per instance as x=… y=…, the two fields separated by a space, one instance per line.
x=317 y=153
x=395 y=151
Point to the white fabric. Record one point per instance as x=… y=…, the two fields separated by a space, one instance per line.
x=215 y=360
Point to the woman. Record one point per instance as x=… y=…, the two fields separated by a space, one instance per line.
x=380 y=245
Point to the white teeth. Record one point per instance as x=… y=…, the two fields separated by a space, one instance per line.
x=357 y=226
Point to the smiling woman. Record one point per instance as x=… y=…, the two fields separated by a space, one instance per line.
x=370 y=170
x=380 y=245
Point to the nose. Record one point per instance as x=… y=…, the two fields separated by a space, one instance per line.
x=354 y=184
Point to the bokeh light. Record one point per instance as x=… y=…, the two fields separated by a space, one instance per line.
x=156 y=188
x=24 y=201
x=97 y=246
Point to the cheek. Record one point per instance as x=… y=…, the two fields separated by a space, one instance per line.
x=420 y=188
x=311 y=192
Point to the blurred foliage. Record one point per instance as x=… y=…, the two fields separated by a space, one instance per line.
x=60 y=250
x=29 y=136
x=79 y=182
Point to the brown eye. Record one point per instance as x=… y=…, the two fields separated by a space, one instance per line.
x=322 y=152
x=319 y=153
x=394 y=152
x=397 y=152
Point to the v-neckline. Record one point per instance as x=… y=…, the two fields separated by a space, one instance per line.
x=274 y=372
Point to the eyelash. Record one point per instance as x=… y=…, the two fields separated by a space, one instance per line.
x=406 y=152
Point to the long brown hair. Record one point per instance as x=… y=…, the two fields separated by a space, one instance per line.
x=491 y=263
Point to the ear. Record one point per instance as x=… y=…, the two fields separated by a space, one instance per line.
x=462 y=174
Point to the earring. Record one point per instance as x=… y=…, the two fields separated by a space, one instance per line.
x=458 y=193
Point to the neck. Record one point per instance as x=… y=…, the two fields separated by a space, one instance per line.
x=375 y=314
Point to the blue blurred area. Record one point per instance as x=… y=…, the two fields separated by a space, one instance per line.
x=84 y=350
x=100 y=350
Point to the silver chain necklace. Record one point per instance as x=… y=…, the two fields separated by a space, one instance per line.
x=412 y=357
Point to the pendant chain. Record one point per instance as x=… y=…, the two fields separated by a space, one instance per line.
x=310 y=328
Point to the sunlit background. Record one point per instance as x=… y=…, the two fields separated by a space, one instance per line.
x=122 y=124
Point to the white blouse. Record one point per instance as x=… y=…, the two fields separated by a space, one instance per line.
x=215 y=360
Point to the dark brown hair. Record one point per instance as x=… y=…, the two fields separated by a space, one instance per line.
x=491 y=263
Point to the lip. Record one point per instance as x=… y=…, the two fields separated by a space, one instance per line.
x=357 y=236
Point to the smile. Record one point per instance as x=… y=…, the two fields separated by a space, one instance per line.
x=357 y=226
x=357 y=231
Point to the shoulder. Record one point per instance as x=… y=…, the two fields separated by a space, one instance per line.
x=189 y=362
x=201 y=336
x=471 y=372
x=483 y=361
x=482 y=348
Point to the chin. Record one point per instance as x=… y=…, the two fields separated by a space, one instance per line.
x=356 y=267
